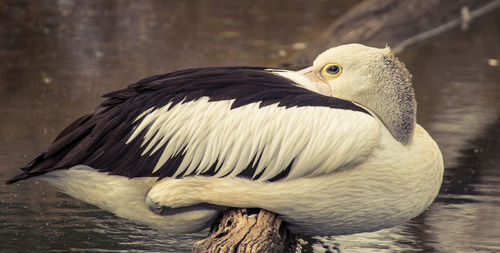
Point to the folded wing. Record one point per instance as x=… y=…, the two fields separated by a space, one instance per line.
x=232 y=121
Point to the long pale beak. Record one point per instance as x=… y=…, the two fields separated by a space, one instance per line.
x=321 y=86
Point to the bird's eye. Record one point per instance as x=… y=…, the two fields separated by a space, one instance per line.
x=330 y=71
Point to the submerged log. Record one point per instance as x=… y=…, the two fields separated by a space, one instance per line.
x=246 y=230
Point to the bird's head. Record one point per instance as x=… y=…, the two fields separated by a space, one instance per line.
x=371 y=77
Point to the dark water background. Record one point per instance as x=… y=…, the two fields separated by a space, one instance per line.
x=58 y=56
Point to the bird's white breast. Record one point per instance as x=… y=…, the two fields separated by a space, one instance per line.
x=394 y=184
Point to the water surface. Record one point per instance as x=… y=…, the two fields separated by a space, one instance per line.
x=58 y=57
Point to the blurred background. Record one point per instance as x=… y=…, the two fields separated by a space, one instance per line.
x=58 y=56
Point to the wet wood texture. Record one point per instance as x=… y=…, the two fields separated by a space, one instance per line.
x=240 y=231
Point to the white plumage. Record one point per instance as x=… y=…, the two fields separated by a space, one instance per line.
x=276 y=134
x=334 y=148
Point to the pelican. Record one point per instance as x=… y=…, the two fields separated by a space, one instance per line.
x=333 y=149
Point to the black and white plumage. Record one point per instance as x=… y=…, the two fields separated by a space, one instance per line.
x=334 y=148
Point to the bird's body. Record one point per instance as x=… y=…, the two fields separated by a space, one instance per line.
x=334 y=149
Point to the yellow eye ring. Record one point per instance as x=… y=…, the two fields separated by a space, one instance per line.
x=330 y=71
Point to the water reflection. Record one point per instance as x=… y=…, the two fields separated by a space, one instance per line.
x=470 y=200
x=58 y=57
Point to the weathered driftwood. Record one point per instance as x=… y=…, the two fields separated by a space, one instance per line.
x=246 y=230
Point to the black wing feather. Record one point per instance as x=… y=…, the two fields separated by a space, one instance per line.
x=99 y=138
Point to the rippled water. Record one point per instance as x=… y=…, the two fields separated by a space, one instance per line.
x=58 y=57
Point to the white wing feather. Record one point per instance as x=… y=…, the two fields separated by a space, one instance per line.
x=315 y=140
